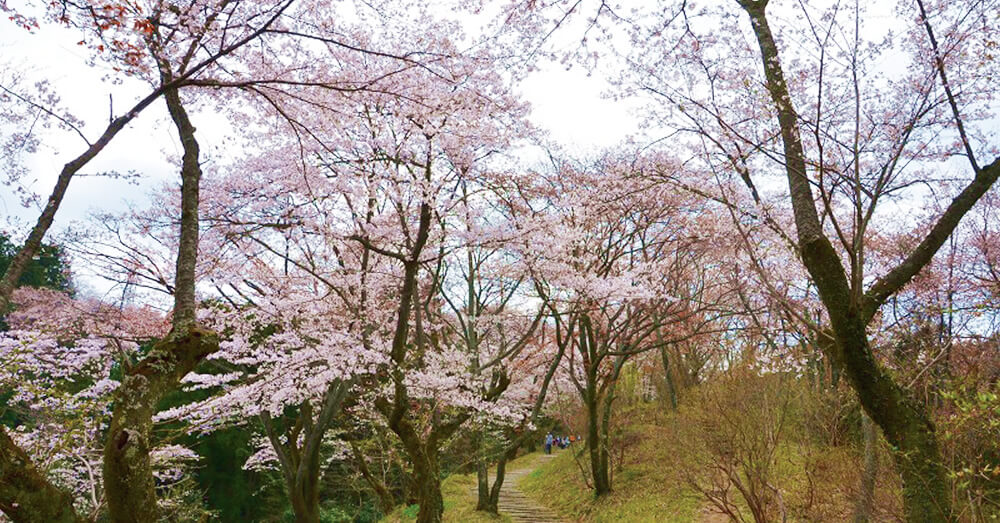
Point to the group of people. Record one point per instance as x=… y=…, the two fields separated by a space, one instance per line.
x=560 y=441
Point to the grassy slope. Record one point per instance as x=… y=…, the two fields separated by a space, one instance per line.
x=817 y=482
x=459 y=504
x=653 y=485
x=644 y=490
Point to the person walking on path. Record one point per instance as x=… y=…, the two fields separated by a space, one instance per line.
x=548 y=443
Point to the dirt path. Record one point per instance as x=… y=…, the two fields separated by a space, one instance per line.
x=519 y=507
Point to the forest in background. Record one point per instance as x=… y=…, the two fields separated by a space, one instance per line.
x=778 y=301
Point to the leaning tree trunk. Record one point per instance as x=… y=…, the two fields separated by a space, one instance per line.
x=26 y=495
x=905 y=424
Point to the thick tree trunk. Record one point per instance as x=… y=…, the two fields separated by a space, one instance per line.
x=26 y=495
x=305 y=504
x=428 y=481
x=303 y=490
x=128 y=474
x=905 y=425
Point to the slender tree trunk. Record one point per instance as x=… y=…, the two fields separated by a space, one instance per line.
x=483 y=485
x=866 y=498
x=300 y=457
x=385 y=500
x=494 y=506
x=34 y=241
x=595 y=442
x=671 y=389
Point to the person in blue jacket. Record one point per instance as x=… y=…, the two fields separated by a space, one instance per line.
x=548 y=443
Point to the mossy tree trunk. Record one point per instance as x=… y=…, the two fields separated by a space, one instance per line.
x=128 y=475
x=26 y=495
x=905 y=423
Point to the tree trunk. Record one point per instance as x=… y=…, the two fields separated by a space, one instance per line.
x=428 y=481
x=300 y=458
x=483 y=485
x=905 y=424
x=491 y=504
x=305 y=503
x=595 y=444
x=26 y=495
x=128 y=475
x=498 y=481
x=385 y=500
x=671 y=389
x=866 y=498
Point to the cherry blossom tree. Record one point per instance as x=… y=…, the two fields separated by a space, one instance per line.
x=617 y=279
x=851 y=142
x=134 y=39
x=73 y=348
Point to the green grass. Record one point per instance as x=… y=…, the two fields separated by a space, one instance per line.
x=459 y=504
x=817 y=481
x=645 y=490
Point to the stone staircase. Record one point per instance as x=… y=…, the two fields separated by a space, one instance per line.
x=520 y=507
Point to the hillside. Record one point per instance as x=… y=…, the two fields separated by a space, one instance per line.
x=689 y=465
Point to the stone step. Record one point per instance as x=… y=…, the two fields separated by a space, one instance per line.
x=519 y=507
